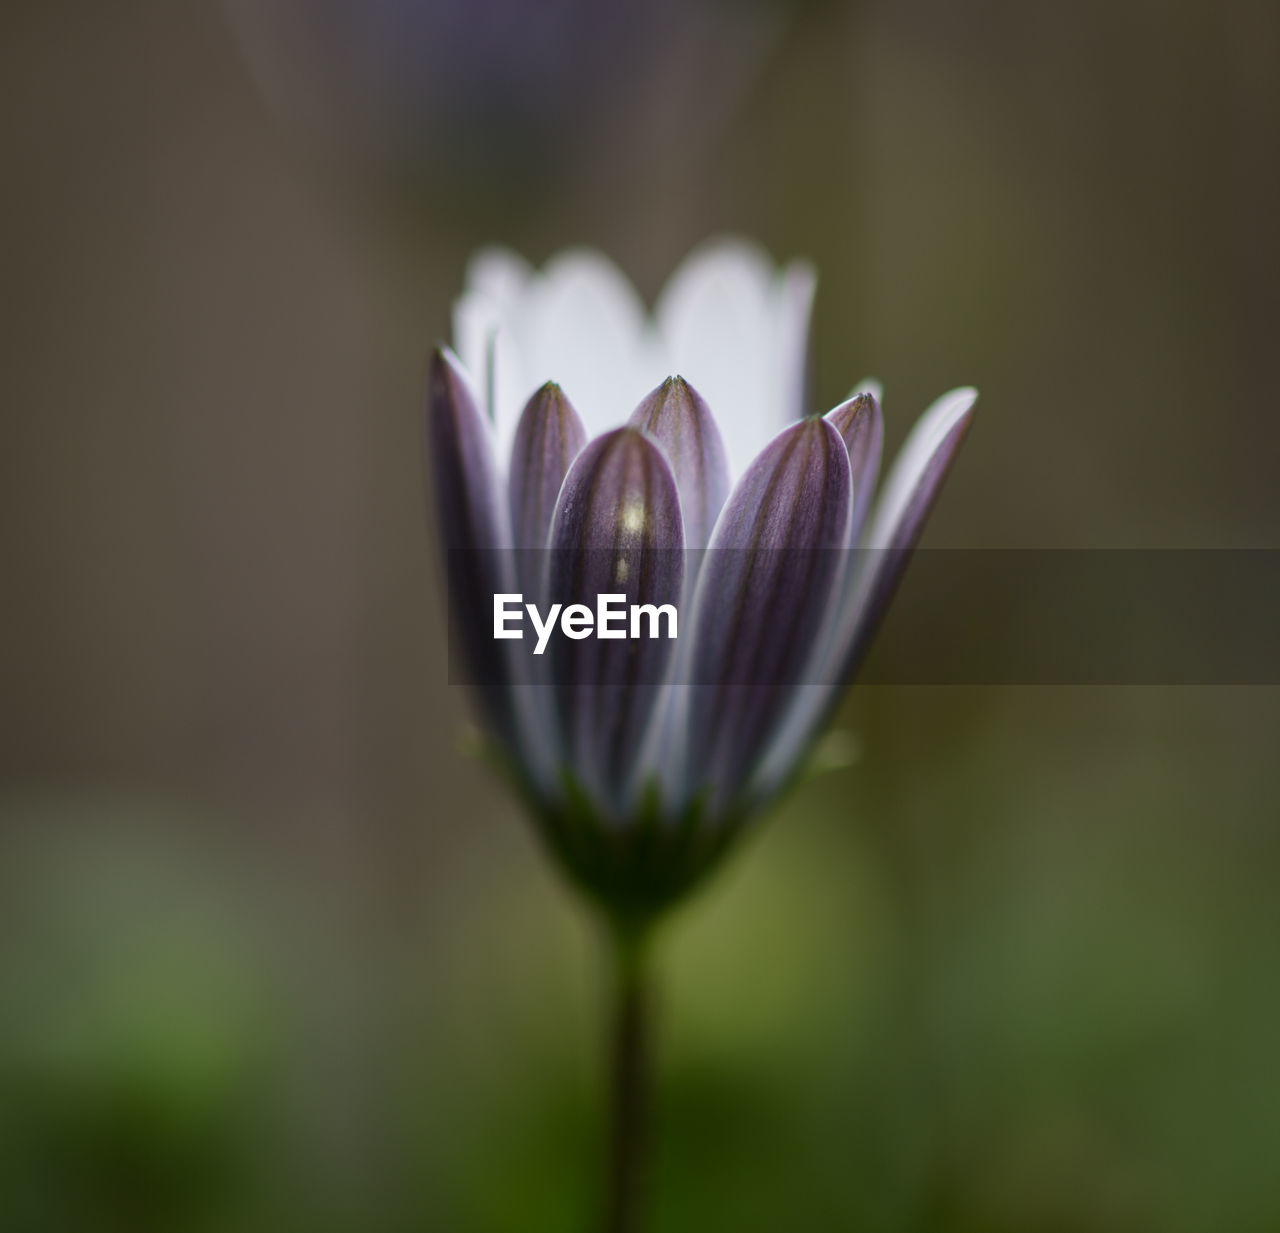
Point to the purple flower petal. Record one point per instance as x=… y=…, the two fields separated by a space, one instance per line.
x=861 y=427
x=617 y=530
x=678 y=419
x=548 y=438
x=909 y=493
x=473 y=526
x=762 y=599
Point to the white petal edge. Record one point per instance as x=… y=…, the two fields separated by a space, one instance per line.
x=917 y=452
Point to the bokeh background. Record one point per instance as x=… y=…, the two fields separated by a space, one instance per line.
x=275 y=953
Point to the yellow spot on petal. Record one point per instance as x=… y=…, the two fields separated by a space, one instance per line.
x=632 y=516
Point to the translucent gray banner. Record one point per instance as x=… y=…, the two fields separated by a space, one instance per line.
x=959 y=617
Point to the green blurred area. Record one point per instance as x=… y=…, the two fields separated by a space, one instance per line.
x=274 y=955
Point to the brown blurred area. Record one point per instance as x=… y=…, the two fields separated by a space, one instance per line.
x=222 y=664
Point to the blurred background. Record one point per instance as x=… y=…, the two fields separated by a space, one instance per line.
x=275 y=954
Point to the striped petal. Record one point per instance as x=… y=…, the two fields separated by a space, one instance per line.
x=762 y=599
x=677 y=418
x=473 y=526
x=548 y=438
x=861 y=427
x=899 y=516
x=909 y=494
x=869 y=385
x=617 y=530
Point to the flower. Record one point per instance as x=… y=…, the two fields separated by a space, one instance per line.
x=642 y=761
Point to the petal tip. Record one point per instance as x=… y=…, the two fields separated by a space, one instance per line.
x=955 y=412
x=445 y=364
x=860 y=402
x=960 y=401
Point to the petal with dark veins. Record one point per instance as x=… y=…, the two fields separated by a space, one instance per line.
x=473 y=526
x=548 y=438
x=678 y=419
x=762 y=600
x=899 y=516
x=861 y=427
x=617 y=530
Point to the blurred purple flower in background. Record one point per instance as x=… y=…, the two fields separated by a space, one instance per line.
x=642 y=770
x=499 y=89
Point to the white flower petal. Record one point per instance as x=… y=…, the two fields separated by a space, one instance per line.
x=476 y=320
x=585 y=329
x=793 y=303
x=502 y=277
x=717 y=317
x=510 y=384
x=483 y=338
x=728 y=321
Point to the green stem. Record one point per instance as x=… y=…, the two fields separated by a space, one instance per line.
x=630 y=1083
